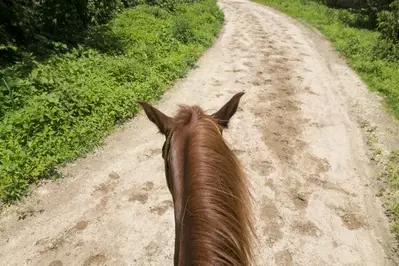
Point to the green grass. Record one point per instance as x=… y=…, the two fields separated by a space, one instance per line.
x=54 y=111
x=360 y=46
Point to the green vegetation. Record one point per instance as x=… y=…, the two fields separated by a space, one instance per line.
x=41 y=26
x=392 y=175
x=366 y=51
x=58 y=108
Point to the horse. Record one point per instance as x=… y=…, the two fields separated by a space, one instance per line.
x=210 y=191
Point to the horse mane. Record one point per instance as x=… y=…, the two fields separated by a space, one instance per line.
x=216 y=223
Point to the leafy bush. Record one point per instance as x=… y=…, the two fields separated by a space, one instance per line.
x=34 y=26
x=63 y=107
x=388 y=25
x=388 y=22
x=373 y=7
x=380 y=14
x=183 y=30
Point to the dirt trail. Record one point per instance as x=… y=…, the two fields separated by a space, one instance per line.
x=297 y=133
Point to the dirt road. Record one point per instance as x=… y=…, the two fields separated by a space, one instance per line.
x=297 y=132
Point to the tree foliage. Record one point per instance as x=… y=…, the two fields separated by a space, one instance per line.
x=382 y=15
x=388 y=25
x=37 y=26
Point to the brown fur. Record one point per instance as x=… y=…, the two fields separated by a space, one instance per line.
x=213 y=217
x=211 y=195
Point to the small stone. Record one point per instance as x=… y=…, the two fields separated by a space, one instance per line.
x=81 y=225
x=114 y=175
x=56 y=263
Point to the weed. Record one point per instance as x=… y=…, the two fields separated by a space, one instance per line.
x=372 y=139
x=365 y=124
x=393 y=170
x=392 y=176
x=377 y=154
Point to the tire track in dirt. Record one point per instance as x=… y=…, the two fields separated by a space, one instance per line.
x=294 y=133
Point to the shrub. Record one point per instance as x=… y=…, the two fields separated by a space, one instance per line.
x=388 y=23
x=183 y=30
x=373 y=7
x=388 y=26
x=34 y=26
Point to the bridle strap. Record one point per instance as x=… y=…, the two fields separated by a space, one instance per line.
x=218 y=129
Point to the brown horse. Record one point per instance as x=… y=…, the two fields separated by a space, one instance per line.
x=213 y=216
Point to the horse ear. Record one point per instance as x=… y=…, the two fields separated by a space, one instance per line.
x=228 y=110
x=162 y=121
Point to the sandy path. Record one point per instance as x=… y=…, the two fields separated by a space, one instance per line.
x=297 y=133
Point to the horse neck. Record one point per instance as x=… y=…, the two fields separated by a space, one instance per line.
x=215 y=225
